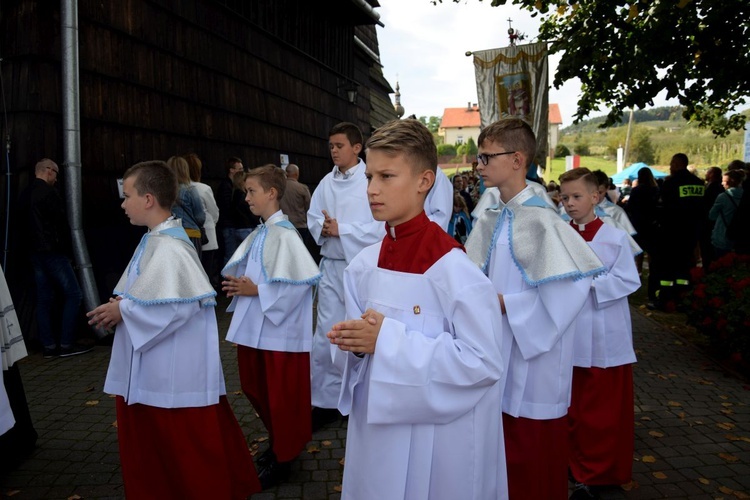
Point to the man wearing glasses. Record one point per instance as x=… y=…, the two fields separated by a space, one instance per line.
x=47 y=239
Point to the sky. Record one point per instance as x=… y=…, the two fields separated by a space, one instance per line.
x=423 y=47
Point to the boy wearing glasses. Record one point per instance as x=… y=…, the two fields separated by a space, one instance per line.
x=542 y=271
x=421 y=348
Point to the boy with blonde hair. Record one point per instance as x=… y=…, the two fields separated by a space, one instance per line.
x=270 y=279
x=420 y=351
x=600 y=417
x=542 y=272
x=177 y=433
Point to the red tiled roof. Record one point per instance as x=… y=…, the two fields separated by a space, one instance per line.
x=460 y=117
x=465 y=117
x=554 y=114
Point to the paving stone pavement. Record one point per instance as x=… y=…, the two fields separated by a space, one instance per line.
x=692 y=429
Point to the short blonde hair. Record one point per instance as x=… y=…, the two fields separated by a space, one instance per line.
x=269 y=176
x=580 y=173
x=409 y=138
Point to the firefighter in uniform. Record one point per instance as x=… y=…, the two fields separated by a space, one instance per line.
x=680 y=220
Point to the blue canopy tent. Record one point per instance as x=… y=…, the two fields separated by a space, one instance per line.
x=632 y=173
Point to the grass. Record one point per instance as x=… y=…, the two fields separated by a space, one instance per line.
x=557 y=166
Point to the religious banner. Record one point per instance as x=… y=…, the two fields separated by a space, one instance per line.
x=513 y=81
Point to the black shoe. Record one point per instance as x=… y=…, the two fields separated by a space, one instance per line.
x=266 y=458
x=650 y=306
x=323 y=416
x=75 y=350
x=50 y=353
x=583 y=492
x=274 y=473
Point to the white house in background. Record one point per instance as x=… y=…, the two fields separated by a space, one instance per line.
x=555 y=120
x=458 y=124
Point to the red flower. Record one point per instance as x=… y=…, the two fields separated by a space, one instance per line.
x=696 y=274
x=707 y=321
x=716 y=302
x=721 y=324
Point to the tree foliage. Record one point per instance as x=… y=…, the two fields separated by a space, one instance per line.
x=582 y=147
x=642 y=148
x=626 y=52
x=446 y=149
x=432 y=123
x=468 y=148
x=561 y=151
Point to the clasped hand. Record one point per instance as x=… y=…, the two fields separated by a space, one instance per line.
x=107 y=315
x=357 y=335
x=239 y=286
x=330 y=225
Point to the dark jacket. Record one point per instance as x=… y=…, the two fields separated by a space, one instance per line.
x=683 y=206
x=643 y=212
x=45 y=226
x=233 y=210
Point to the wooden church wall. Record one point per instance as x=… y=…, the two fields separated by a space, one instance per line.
x=220 y=78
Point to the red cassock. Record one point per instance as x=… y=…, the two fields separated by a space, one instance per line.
x=277 y=384
x=184 y=453
x=600 y=417
x=530 y=445
x=600 y=421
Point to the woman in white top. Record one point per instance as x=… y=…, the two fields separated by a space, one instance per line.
x=209 y=257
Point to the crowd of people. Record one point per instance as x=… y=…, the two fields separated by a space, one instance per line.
x=680 y=221
x=477 y=335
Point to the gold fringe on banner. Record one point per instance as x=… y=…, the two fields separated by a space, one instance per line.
x=508 y=60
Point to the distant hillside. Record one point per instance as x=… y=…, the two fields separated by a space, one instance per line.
x=657 y=134
x=662 y=114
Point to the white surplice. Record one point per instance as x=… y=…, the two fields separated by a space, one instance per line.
x=344 y=197
x=544 y=277
x=12 y=348
x=619 y=216
x=439 y=202
x=539 y=330
x=279 y=318
x=425 y=407
x=604 y=333
x=6 y=413
x=165 y=351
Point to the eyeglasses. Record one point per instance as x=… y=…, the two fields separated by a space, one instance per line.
x=485 y=158
x=54 y=170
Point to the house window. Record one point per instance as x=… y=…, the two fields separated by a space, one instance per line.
x=460 y=139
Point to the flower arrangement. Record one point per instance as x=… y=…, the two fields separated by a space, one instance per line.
x=719 y=304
